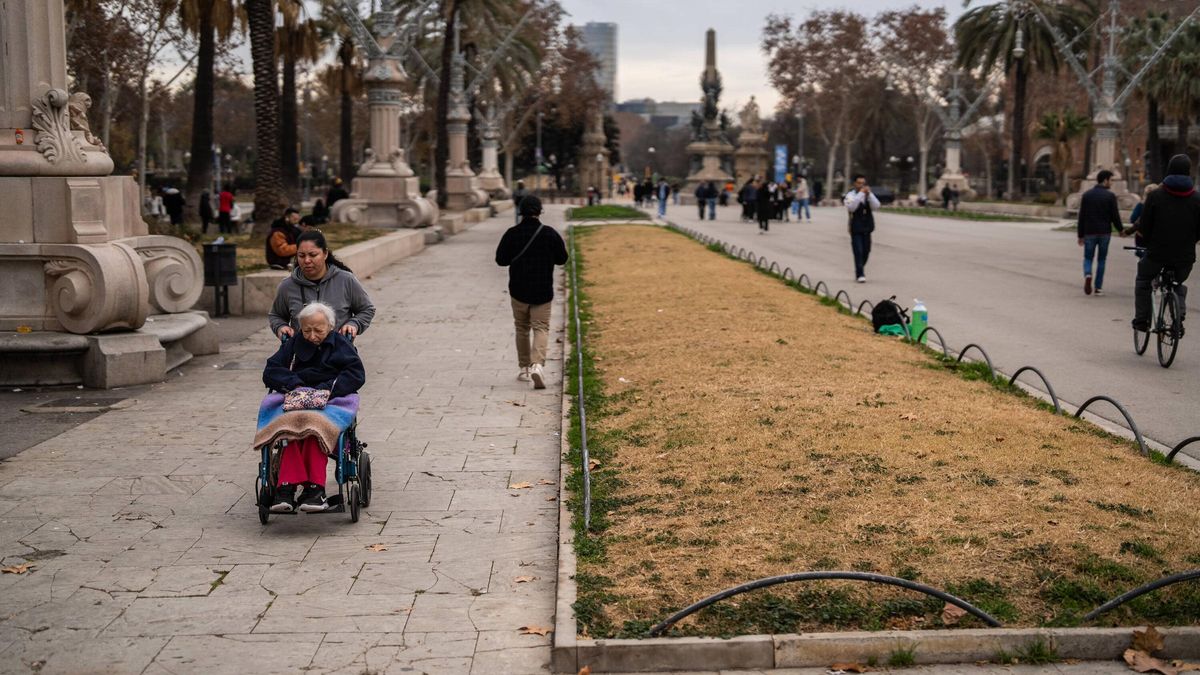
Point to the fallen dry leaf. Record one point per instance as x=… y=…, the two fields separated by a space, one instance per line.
x=543 y=481
x=551 y=498
x=535 y=630
x=377 y=548
x=586 y=670
x=999 y=439
x=17 y=569
x=1149 y=640
x=520 y=486
x=524 y=580
x=1144 y=663
x=952 y=614
x=908 y=416
x=593 y=465
x=849 y=667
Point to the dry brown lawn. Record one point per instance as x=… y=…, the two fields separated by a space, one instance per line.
x=757 y=432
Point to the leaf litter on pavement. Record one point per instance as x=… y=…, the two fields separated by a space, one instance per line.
x=740 y=458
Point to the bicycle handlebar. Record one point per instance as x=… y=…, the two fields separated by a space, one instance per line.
x=1134 y=248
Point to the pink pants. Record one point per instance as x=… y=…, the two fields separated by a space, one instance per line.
x=302 y=462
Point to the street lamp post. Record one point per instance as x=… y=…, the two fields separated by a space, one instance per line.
x=601 y=176
x=650 y=162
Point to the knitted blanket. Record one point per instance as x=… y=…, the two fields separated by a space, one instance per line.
x=327 y=425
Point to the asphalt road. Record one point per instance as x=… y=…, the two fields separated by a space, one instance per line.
x=1015 y=288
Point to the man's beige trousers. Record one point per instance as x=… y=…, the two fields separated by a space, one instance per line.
x=536 y=317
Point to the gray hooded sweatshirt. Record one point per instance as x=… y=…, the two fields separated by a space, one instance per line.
x=339 y=289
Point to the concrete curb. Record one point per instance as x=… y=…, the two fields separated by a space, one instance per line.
x=563 y=652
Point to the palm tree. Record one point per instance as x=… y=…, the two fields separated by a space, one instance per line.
x=1062 y=129
x=1177 y=87
x=986 y=37
x=344 y=79
x=1143 y=33
x=296 y=41
x=270 y=198
x=211 y=21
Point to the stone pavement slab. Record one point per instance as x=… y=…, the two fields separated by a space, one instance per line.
x=149 y=557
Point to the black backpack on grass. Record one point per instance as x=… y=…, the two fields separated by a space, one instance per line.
x=887 y=312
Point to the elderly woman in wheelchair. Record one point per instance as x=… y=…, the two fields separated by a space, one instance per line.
x=309 y=417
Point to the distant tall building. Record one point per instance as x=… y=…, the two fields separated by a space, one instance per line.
x=600 y=39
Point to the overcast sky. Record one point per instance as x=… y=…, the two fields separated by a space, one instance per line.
x=660 y=43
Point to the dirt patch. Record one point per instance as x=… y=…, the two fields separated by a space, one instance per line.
x=749 y=431
x=252 y=258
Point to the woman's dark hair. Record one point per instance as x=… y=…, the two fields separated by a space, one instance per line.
x=318 y=239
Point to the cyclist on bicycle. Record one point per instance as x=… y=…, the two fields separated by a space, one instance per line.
x=1170 y=226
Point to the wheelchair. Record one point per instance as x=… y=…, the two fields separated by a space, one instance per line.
x=352 y=473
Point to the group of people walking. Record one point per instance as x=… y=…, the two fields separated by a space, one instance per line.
x=763 y=201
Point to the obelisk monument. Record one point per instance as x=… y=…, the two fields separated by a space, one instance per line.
x=709 y=147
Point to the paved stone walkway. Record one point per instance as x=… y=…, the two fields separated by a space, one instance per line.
x=148 y=553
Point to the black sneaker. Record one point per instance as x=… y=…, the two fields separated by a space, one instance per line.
x=1142 y=326
x=312 y=500
x=285 y=499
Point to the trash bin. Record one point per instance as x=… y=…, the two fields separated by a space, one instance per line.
x=220 y=272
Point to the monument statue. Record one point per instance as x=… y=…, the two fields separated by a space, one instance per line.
x=751 y=157
x=90 y=296
x=709 y=144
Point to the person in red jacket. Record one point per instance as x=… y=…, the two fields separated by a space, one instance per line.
x=225 y=209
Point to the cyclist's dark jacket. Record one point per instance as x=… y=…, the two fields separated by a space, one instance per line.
x=1098 y=213
x=1170 y=221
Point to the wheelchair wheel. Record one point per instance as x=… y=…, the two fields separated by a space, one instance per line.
x=364 y=478
x=352 y=497
x=264 y=496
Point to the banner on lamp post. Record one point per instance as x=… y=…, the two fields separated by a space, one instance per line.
x=781 y=163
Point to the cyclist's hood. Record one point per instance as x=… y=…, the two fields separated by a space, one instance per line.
x=1179 y=186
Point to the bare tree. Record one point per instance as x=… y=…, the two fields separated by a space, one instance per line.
x=822 y=65
x=915 y=49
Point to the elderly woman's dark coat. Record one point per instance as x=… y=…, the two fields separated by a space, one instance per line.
x=333 y=365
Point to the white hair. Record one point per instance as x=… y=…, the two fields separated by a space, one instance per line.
x=314 y=308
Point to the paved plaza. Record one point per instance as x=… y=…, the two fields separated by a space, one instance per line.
x=1015 y=288
x=149 y=557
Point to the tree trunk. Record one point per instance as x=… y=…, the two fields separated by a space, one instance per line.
x=108 y=101
x=346 y=136
x=830 y=161
x=269 y=197
x=288 y=154
x=1154 y=158
x=199 y=172
x=1183 y=128
x=508 y=169
x=441 y=153
x=846 y=164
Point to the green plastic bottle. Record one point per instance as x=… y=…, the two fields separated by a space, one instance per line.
x=920 y=320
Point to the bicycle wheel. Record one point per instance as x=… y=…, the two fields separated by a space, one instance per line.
x=1168 y=330
x=1141 y=340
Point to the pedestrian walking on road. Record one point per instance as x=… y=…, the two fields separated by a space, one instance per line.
x=946 y=197
x=764 y=203
x=173 y=203
x=1135 y=219
x=530 y=250
x=861 y=203
x=701 y=198
x=747 y=197
x=1170 y=226
x=1099 y=216
x=225 y=210
x=206 y=211
x=519 y=196
x=711 y=198
x=801 y=199
x=663 y=194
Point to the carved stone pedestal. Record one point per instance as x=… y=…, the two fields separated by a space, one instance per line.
x=81 y=271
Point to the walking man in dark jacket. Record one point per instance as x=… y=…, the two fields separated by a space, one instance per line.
x=1170 y=226
x=530 y=250
x=1099 y=216
x=861 y=203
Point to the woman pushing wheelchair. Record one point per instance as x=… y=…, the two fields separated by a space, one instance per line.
x=311 y=413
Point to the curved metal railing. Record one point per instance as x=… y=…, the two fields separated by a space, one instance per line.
x=1140 y=591
x=1124 y=413
x=1049 y=388
x=675 y=618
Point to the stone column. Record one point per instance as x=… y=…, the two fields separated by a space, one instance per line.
x=462 y=187
x=386 y=192
x=490 y=179
x=75 y=254
x=594 y=174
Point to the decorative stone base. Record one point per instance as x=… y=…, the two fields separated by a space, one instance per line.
x=453 y=223
x=108 y=360
x=1125 y=198
x=494 y=186
x=956 y=182
x=386 y=201
x=463 y=193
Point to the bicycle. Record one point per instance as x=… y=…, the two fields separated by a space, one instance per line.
x=1164 y=321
